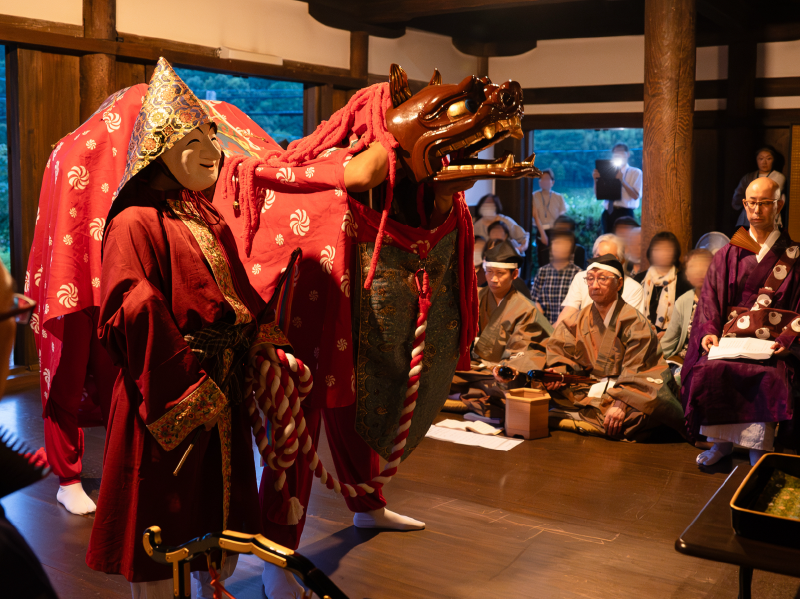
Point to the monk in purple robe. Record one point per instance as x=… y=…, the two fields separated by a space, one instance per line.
x=746 y=294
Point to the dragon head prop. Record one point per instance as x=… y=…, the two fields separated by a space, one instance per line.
x=456 y=121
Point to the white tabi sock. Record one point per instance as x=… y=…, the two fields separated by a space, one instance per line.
x=74 y=499
x=144 y=590
x=386 y=519
x=280 y=583
x=717 y=452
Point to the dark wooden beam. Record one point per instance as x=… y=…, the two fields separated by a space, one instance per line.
x=669 y=80
x=395 y=11
x=728 y=14
x=359 y=54
x=510 y=47
x=582 y=121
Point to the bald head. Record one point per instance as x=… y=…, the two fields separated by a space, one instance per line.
x=763 y=204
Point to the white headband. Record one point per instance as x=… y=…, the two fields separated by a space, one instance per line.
x=497 y=265
x=604 y=267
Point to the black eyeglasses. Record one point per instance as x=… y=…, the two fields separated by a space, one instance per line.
x=23 y=308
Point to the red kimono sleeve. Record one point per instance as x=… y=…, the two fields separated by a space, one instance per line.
x=138 y=329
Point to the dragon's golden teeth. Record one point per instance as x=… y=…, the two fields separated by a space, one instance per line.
x=489 y=131
x=508 y=163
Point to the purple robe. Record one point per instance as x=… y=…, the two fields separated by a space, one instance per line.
x=720 y=392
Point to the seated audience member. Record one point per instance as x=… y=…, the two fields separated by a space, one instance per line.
x=511 y=331
x=663 y=282
x=518 y=283
x=477 y=259
x=25 y=576
x=612 y=342
x=490 y=210
x=765 y=159
x=624 y=225
x=546 y=208
x=552 y=281
x=498 y=231
x=578 y=296
x=633 y=251
x=631 y=183
x=566 y=223
x=747 y=294
x=676 y=339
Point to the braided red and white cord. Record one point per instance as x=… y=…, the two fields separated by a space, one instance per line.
x=277 y=383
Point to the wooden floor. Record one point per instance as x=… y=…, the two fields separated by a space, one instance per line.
x=562 y=517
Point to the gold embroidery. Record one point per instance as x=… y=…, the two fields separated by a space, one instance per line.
x=270 y=334
x=211 y=250
x=224 y=427
x=195 y=409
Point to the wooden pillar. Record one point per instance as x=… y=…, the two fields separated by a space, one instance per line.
x=98 y=71
x=359 y=54
x=515 y=194
x=482 y=68
x=669 y=79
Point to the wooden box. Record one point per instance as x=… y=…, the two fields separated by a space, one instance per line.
x=526 y=413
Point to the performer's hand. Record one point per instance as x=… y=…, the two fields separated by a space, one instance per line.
x=496 y=373
x=708 y=341
x=209 y=425
x=779 y=350
x=613 y=421
x=552 y=386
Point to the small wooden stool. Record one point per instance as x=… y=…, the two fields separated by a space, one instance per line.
x=526 y=413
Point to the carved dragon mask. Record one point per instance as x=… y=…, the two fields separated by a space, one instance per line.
x=456 y=121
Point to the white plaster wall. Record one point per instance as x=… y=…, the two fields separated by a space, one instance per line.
x=277 y=27
x=419 y=52
x=61 y=11
x=778 y=59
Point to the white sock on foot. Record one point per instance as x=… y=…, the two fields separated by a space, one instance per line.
x=75 y=500
x=755 y=455
x=280 y=583
x=717 y=452
x=386 y=519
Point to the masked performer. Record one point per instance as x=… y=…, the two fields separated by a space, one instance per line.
x=512 y=332
x=752 y=290
x=611 y=341
x=177 y=315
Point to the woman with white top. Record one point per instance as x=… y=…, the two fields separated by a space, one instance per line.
x=490 y=210
x=765 y=158
x=547 y=207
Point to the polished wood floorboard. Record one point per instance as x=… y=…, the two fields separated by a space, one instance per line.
x=562 y=517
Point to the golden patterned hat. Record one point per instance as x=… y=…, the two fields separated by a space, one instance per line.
x=169 y=111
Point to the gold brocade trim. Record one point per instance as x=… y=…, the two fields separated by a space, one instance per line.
x=211 y=250
x=271 y=334
x=224 y=427
x=195 y=409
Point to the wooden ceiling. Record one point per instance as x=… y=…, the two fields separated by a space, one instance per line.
x=509 y=27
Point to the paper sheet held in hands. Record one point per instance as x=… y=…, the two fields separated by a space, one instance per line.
x=733 y=348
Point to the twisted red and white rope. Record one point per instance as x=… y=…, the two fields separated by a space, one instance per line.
x=278 y=383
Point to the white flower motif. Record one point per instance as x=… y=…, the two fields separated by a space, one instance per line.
x=316 y=352
x=50 y=240
x=269 y=200
x=91 y=144
x=764 y=299
x=85 y=132
x=421 y=246
x=313 y=295
x=774 y=318
x=279 y=239
x=78 y=177
x=113 y=152
x=330 y=380
x=342 y=344
x=792 y=251
x=46 y=376
x=58 y=162
x=37 y=277
x=35 y=323
x=104 y=188
x=67 y=295
x=285 y=174
x=52 y=346
x=326 y=258
x=96 y=282
x=27 y=281
x=743 y=322
x=68 y=240
x=762 y=333
x=297 y=322
x=46 y=310
x=73 y=212
x=96 y=228
x=338 y=192
x=328 y=152
x=85 y=258
x=347 y=159
x=349 y=226
x=780 y=272
x=113 y=121
x=345 y=283
x=256 y=269
x=796 y=325
x=299 y=222
x=310 y=172
x=44 y=333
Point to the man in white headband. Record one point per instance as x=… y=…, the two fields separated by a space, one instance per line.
x=613 y=342
x=511 y=332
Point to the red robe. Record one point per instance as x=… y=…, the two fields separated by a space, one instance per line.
x=162 y=279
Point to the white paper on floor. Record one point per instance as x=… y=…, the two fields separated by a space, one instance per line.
x=467 y=438
x=474 y=426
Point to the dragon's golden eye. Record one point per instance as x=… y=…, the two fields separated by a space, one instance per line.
x=459 y=110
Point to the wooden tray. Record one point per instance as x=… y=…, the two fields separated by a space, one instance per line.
x=751 y=523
